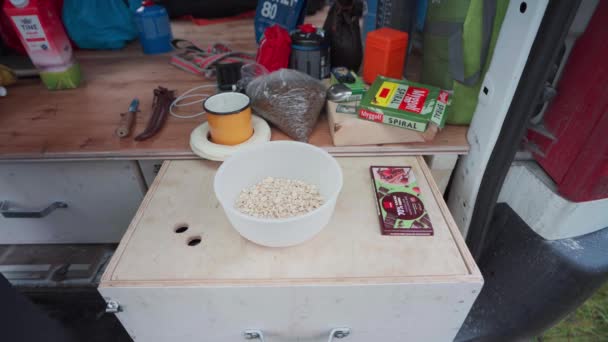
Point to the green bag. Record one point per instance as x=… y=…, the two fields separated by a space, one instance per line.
x=459 y=40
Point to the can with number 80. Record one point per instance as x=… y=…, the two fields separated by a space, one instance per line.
x=285 y=13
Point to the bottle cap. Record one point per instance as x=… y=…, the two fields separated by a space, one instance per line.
x=307 y=28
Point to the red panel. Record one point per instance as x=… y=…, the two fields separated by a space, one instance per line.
x=577 y=114
x=587 y=179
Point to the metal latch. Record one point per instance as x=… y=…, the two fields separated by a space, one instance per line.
x=112 y=306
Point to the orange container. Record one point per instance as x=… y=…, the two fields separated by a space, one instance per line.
x=385 y=50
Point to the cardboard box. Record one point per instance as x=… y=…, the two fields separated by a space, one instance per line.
x=347 y=129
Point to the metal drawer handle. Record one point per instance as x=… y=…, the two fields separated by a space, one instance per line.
x=338 y=333
x=5 y=209
x=255 y=334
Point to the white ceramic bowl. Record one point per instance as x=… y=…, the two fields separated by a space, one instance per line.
x=279 y=159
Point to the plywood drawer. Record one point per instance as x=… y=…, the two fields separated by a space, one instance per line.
x=101 y=199
x=149 y=169
x=387 y=313
x=383 y=288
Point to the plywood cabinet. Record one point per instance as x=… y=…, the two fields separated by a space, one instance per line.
x=99 y=197
x=382 y=288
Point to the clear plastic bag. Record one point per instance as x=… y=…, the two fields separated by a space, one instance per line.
x=289 y=99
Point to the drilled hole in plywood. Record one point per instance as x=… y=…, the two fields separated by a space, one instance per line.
x=523 y=7
x=180 y=228
x=193 y=241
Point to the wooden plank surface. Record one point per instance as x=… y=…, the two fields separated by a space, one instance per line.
x=349 y=249
x=79 y=124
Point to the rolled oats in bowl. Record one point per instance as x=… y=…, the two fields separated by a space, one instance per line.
x=279 y=198
x=252 y=200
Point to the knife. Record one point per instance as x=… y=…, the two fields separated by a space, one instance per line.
x=127 y=120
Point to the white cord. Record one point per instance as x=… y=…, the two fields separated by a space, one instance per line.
x=187 y=95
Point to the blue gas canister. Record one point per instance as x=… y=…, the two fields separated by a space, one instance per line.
x=154 y=28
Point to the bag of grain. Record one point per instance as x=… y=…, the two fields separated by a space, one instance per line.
x=289 y=99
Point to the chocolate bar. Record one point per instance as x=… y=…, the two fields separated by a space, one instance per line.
x=400 y=204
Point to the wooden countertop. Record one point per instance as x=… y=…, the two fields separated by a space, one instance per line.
x=79 y=124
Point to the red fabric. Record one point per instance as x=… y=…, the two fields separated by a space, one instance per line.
x=275 y=47
x=203 y=61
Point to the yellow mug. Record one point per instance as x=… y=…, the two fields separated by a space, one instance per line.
x=229 y=117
